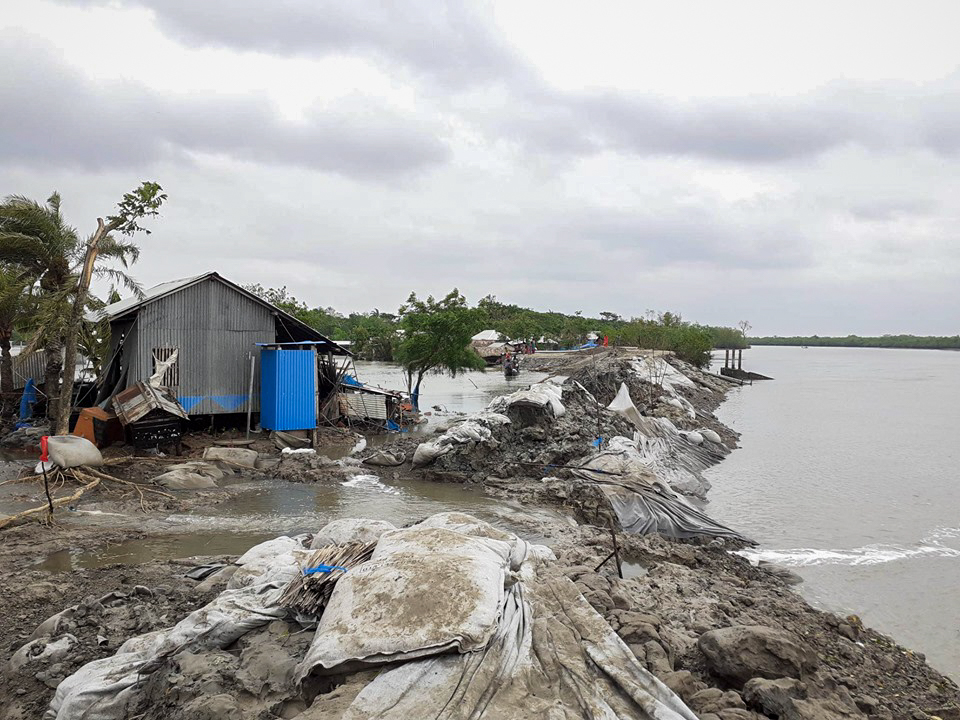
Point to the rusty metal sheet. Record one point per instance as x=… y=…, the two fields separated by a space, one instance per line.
x=141 y=399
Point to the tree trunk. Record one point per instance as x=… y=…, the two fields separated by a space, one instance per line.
x=73 y=331
x=51 y=379
x=6 y=361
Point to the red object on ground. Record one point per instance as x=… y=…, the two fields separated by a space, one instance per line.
x=43 y=449
x=606 y=341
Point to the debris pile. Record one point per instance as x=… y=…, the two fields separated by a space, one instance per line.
x=450 y=618
x=609 y=461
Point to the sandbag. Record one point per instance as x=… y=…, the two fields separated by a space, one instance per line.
x=69 y=451
x=189 y=476
x=710 y=435
x=427 y=452
x=347 y=530
x=444 y=591
x=383 y=458
x=245 y=457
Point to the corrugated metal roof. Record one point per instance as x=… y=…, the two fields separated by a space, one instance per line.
x=486 y=336
x=289 y=323
x=115 y=310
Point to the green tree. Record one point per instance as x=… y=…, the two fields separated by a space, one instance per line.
x=13 y=300
x=436 y=338
x=143 y=202
x=37 y=240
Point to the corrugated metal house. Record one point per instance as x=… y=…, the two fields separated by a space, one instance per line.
x=212 y=326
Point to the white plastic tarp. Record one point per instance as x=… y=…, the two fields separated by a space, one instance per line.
x=539 y=395
x=108 y=689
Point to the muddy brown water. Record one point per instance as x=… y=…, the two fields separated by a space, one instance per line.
x=262 y=510
x=267 y=509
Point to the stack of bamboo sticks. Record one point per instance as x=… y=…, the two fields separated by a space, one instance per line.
x=310 y=591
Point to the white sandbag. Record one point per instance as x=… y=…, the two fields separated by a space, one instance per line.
x=427 y=452
x=424 y=591
x=694 y=437
x=69 y=451
x=710 y=435
x=347 y=530
x=244 y=457
x=260 y=559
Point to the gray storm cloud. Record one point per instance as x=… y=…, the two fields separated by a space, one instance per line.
x=55 y=115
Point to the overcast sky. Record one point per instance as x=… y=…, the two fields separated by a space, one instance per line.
x=794 y=164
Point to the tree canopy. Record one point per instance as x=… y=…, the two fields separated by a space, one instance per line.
x=435 y=337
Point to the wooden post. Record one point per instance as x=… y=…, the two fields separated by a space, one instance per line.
x=740 y=360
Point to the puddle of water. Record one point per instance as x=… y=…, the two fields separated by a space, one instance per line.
x=272 y=508
x=135 y=552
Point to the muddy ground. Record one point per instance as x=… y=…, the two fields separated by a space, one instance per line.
x=676 y=609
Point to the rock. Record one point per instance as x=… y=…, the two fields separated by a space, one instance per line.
x=215 y=707
x=735 y=714
x=868 y=704
x=714 y=700
x=742 y=652
x=888 y=663
x=787 y=699
x=658 y=662
x=639 y=632
x=683 y=683
x=848 y=631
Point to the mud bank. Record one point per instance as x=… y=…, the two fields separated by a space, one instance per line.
x=730 y=640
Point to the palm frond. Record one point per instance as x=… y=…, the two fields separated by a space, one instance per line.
x=114 y=248
x=121 y=278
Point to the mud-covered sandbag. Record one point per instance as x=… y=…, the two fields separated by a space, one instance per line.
x=541 y=395
x=189 y=476
x=347 y=530
x=244 y=457
x=384 y=458
x=424 y=591
x=69 y=451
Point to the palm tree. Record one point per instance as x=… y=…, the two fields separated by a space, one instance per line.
x=13 y=297
x=47 y=251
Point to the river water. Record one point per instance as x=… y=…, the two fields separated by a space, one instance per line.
x=847 y=473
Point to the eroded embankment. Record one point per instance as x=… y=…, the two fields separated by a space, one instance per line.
x=730 y=640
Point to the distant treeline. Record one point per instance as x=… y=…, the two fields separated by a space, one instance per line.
x=374 y=333
x=918 y=342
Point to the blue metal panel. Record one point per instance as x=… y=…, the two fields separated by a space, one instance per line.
x=288 y=387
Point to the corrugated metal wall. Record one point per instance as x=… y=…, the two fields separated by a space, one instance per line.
x=216 y=329
x=289 y=389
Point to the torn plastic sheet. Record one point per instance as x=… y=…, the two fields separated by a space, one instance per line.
x=539 y=395
x=642 y=502
x=550 y=654
x=538 y=649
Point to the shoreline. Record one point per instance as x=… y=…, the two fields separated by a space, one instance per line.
x=680 y=591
